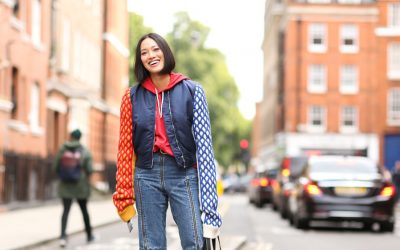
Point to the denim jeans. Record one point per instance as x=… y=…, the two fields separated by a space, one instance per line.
x=154 y=189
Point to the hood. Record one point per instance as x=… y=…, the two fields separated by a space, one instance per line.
x=72 y=144
x=175 y=78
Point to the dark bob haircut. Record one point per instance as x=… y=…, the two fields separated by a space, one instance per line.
x=140 y=71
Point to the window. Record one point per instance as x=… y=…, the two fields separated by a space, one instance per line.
x=77 y=59
x=316 y=78
x=348 y=119
x=66 y=45
x=316 y=119
x=394 y=15
x=16 y=9
x=348 y=79
x=317 y=38
x=394 y=61
x=36 y=22
x=14 y=93
x=393 y=107
x=34 y=116
x=349 y=38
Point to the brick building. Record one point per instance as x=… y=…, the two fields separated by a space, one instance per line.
x=326 y=91
x=63 y=65
x=388 y=73
x=24 y=53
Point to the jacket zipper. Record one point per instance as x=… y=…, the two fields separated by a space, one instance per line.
x=172 y=122
x=154 y=135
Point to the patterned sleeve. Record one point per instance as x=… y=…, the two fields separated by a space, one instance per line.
x=206 y=166
x=124 y=196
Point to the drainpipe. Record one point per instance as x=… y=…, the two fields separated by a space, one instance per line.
x=298 y=72
x=104 y=86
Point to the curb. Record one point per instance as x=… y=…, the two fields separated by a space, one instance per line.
x=50 y=239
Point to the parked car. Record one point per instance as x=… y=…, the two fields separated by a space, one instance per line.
x=260 y=187
x=234 y=183
x=289 y=170
x=343 y=188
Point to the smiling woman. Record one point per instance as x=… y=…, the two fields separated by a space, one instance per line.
x=172 y=164
x=240 y=46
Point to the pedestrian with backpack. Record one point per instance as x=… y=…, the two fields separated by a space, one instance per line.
x=73 y=165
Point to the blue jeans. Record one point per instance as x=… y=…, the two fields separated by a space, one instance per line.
x=154 y=188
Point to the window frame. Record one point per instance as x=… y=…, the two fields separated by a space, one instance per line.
x=36 y=33
x=393 y=107
x=393 y=61
x=353 y=115
x=34 y=113
x=314 y=31
x=315 y=113
x=352 y=34
x=393 y=20
x=313 y=75
x=346 y=77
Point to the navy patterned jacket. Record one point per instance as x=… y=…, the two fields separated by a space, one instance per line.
x=185 y=112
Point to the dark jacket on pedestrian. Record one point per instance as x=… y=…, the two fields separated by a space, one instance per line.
x=81 y=188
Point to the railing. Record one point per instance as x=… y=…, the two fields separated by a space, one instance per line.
x=109 y=175
x=32 y=178
x=27 y=178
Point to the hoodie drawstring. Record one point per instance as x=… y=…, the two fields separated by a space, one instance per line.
x=158 y=102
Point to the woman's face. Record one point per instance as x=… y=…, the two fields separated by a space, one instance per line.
x=152 y=56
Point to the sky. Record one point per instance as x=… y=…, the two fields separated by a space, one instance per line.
x=236 y=29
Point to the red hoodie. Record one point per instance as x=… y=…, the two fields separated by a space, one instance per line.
x=161 y=139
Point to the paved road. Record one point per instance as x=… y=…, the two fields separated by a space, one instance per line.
x=265 y=230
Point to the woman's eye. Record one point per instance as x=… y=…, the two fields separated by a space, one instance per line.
x=143 y=53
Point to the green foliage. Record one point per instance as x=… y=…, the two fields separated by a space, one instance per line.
x=136 y=30
x=208 y=67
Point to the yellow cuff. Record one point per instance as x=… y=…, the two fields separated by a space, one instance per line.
x=128 y=213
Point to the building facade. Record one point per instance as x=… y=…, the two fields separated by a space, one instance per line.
x=334 y=96
x=63 y=65
x=24 y=53
x=388 y=40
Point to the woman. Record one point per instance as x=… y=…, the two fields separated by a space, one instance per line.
x=165 y=153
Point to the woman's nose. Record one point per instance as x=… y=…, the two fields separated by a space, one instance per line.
x=151 y=54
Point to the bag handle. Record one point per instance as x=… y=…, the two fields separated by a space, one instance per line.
x=211 y=243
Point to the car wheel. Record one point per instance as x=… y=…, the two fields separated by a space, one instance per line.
x=387 y=227
x=274 y=206
x=259 y=204
x=290 y=218
x=283 y=213
x=301 y=223
x=367 y=226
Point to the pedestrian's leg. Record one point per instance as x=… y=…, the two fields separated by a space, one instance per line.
x=151 y=204
x=64 y=219
x=83 y=205
x=185 y=207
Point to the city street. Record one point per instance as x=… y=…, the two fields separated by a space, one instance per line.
x=262 y=227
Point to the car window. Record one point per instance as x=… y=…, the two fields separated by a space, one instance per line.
x=272 y=173
x=297 y=165
x=343 y=166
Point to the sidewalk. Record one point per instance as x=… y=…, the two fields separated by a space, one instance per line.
x=27 y=227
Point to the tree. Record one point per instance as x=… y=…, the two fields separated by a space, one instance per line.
x=208 y=67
